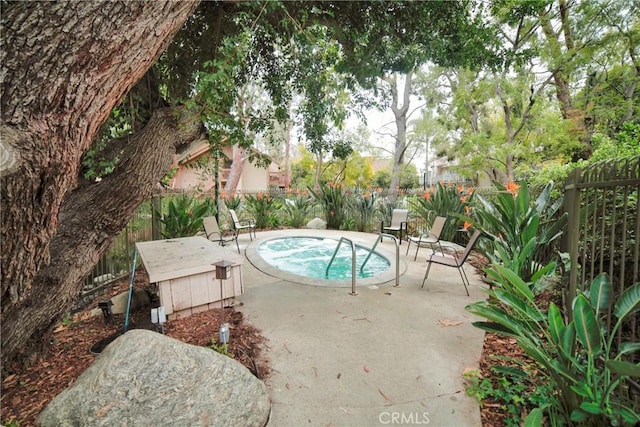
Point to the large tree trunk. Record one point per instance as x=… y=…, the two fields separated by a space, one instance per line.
x=399 y=107
x=64 y=67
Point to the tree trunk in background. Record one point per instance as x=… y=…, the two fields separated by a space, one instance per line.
x=65 y=66
x=400 y=114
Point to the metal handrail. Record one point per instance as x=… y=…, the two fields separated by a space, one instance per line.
x=353 y=263
x=373 y=248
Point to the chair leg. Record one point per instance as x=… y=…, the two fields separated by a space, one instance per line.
x=465 y=279
x=426 y=274
x=417 y=248
x=408 y=246
x=237 y=246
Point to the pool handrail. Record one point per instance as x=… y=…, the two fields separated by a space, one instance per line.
x=353 y=263
x=373 y=248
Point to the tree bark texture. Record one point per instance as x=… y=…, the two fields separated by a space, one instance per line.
x=64 y=67
x=400 y=115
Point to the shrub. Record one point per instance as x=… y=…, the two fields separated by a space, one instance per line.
x=297 y=210
x=184 y=217
x=447 y=201
x=519 y=230
x=577 y=357
x=362 y=209
x=331 y=198
x=261 y=206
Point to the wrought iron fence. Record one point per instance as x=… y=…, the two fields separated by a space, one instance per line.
x=604 y=229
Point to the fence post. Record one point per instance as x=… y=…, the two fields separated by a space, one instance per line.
x=572 y=207
x=156 y=213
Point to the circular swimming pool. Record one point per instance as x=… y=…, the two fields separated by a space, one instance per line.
x=310 y=256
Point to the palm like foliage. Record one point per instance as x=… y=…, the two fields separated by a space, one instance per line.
x=184 y=217
x=519 y=230
x=446 y=201
x=577 y=357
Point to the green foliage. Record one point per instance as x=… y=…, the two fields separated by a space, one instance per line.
x=331 y=198
x=448 y=201
x=518 y=228
x=262 y=208
x=516 y=389
x=578 y=358
x=297 y=210
x=231 y=201
x=184 y=216
x=362 y=209
x=220 y=348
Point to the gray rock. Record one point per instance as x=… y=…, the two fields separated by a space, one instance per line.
x=139 y=298
x=144 y=378
x=317 y=224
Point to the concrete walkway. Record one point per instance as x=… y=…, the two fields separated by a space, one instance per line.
x=387 y=356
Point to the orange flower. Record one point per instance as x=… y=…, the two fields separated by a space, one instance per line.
x=223 y=195
x=513 y=188
x=463 y=199
x=459 y=188
x=426 y=195
x=466 y=225
x=470 y=190
x=467 y=209
x=367 y=194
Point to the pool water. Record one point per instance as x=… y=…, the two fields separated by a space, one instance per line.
x=309 y=256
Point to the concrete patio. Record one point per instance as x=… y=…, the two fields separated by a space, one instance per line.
x=387 y=356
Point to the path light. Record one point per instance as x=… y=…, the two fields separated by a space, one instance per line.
x=223 y=272
x=223 y=334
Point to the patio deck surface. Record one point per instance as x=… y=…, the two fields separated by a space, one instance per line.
x=387 y=356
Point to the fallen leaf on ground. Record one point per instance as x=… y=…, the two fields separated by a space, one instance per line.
x=447 y=322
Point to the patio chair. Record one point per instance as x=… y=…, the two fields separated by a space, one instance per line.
x=431 y=238
x=454 y=262
x=243 y=224
x=214 y=234
x=399 y=219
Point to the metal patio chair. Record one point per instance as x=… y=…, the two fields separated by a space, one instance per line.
x=454 y=262
x=430 y=239
x=243 y=224
x=214 y=234
x=399 y=220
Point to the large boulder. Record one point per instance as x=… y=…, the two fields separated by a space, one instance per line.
x=317 y=224
x=144 y=378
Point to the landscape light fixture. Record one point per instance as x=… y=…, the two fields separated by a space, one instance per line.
x=223 y=272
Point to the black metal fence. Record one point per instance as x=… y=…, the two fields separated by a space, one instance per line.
x=604 y=229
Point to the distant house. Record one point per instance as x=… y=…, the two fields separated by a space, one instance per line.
x=196 y=169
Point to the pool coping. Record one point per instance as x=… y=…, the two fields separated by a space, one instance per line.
x=361 y=239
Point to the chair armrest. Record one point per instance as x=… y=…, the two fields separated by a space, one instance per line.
x=248 y=221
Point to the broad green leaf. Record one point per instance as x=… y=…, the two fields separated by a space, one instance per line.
x=578 y=415
x=556 y=323
x=628 y=347
x=513 y=302
x=628 y=302
x=591 y=408
x=624 y=368
x=520 y=285
x=600 y=293
x=495 y=328
x=536 y=352
x=568 y=340
x=544 y=271
x=587 y=326
x=534 y=418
